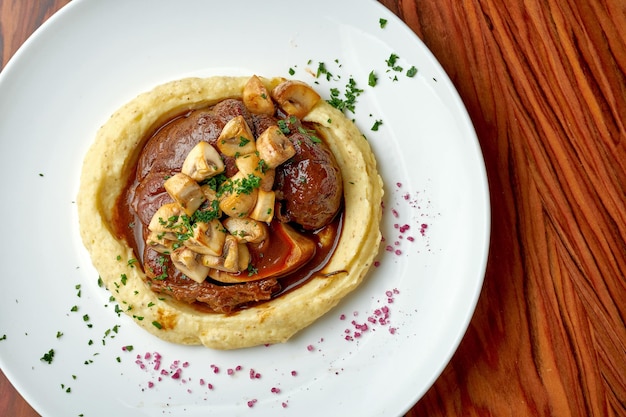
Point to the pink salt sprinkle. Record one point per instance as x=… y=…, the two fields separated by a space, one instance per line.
x=310 y=348
x=284 y=405
x=294 y=373
x=251 y=403
x=275 y=390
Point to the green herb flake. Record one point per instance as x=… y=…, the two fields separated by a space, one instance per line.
x=372 y=79
x=48 y=356
x=411 y=72
x=3 y=337
x=382 y=22
x=377 y=124
x=59 y=334
x=157 y=324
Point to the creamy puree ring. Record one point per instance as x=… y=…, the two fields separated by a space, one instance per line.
x=110 y=163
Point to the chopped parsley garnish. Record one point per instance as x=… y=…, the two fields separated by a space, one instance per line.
x=157 y=324
x=411 y=72
x=351 y=94
x=282 y=125
x=322 y=70
x=243 y=141
x=3 y=337
x=48 y=356
x=240 y=185
x=377 y=124
x=391 y=61
x=382 y=22
x=372 y=79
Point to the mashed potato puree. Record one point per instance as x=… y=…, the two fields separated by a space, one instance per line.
x=106 y=169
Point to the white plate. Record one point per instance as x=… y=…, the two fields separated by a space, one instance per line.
x=92 y=57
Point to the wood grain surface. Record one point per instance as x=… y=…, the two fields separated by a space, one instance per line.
x=544 y=82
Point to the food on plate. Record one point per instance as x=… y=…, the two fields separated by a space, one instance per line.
x=229 y=211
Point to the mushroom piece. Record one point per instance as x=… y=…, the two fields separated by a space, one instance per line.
x=251 y=163
x=263 y=210
x=244 y=256
x=228 y=262
x=202 y=162
x=274 y=147
x=207 y=239
x=246 y=229
x=236 y=138
x=256 y=98
x=239 y=195
x=185 y=191
x=295 y=97
x=159 y=243
x=167 y=221
x=187 y=262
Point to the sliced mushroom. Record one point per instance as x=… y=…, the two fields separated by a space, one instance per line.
x=188 y=262
x=274 y=147
x=236 y=138
x=263 y=210
x=246 y=229
x=212 y=201
x=238 y=276
x=295 y=97
x=239 y=195
x=185 y=191
x=168 y=222
x=228 y=262
x=159 y=243
x=244 y=256
x=202 y=162
x=251 y=163
x=208 y=238
x=256 y=98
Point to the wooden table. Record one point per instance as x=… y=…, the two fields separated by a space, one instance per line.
x=545 y=85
